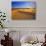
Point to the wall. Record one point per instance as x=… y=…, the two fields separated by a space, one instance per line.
x=5 y=6
x=36 y=25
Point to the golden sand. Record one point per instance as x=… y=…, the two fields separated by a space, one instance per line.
x=22 y=13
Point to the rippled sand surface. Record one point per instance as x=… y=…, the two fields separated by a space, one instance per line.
x=23 y=14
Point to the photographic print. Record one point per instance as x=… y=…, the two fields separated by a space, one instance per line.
x=23 y=10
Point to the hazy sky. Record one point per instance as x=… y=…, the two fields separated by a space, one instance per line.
x=23 y=4
x=21 y=0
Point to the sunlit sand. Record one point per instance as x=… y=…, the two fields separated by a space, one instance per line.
x=23 y=13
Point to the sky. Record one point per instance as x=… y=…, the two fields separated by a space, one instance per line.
x=21 y=0
x=23 y=4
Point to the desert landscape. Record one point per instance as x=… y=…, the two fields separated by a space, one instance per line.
x=23 y=13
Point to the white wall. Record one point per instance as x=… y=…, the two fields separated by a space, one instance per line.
x=5 y=5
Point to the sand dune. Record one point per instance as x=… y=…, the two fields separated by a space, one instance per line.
x=23 y=13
